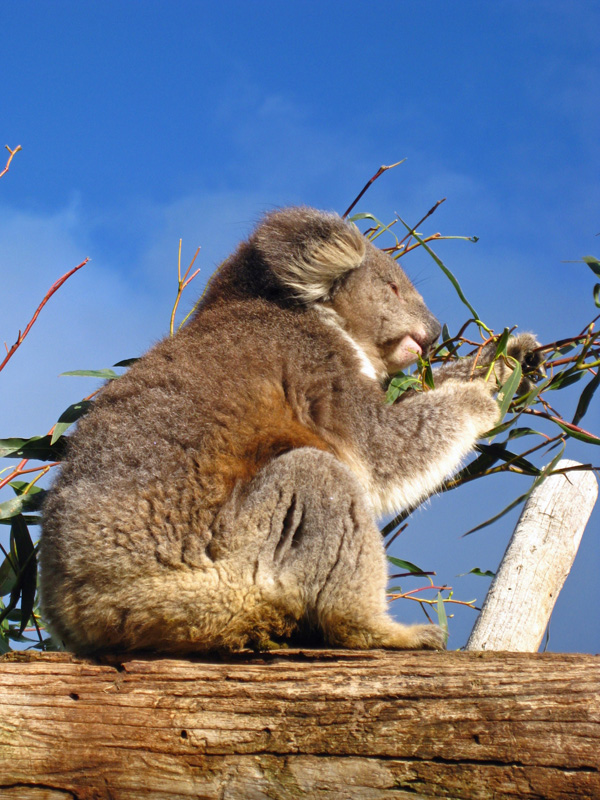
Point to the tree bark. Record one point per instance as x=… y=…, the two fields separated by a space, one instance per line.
x=316 y=724
x=538 y=559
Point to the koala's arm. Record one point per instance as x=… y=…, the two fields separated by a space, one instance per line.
x=522 y=348
x=408 y=449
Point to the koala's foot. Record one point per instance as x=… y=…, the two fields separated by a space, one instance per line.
x=384 y=633
x=415 y=637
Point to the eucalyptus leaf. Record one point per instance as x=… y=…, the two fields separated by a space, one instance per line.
x=593 y=264
x=104 y=374
x=68 y=417
x=399 y=384
x=7 y=577
x=583 y=436
x=585 y=398
x=503 y=454
x=563 y=379
x=27 y=565
x=502 y=343
x=30 y=519
x=509 y=388
x=22 y=502
x=126 y=362
x=517 y=433
x=487 y=573
x=441 y=613
x=405 y=565
x=37 y=447
x=498 y=516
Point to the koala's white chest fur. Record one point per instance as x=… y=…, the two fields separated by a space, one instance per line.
x=367 y=367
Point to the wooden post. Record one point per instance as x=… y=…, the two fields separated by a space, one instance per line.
x=315 y=724
x=538 y=559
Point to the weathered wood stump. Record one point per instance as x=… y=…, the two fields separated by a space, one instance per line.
x=317 y=724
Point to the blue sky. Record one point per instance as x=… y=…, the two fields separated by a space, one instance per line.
x=145 y=122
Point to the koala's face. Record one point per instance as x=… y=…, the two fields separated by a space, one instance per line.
x=384 y=312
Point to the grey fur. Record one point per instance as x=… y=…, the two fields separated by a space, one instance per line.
x=222 y=493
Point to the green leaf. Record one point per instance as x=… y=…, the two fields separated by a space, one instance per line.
x=443 y=267
x=30 y=519
x=445 y=333
x=505 y=455
x=405 y=565
x=517 y=433
x=498 y=516
x=393 y=523
x=69 y=416
x=597 y=295
x=566 y=349
x=501 y=428
x=484 y=573
x=563 y=379
x=21 y=486
x=22 y=502
x=502 y=343
x=428 y=376
x=105 y=374
x=593 y=264
x=547 y=470
x=10 y=508
x=127 y=362
x=27 y=565
x=399 y=384
x=7 y=577
x=38 y=447
x=482 y=463
x=441 y=612
x=585 y=398
x=577 y=433
x=509 y=388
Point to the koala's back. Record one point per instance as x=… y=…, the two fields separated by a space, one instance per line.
x=152 y=464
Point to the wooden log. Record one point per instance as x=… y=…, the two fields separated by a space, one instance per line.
x=536 y=563
x=315 y=724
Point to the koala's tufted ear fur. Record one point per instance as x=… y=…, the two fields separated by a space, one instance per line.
x=308 y=250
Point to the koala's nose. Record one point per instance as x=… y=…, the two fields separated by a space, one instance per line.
x=432 y=331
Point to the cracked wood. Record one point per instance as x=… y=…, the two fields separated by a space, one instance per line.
x=289 y=724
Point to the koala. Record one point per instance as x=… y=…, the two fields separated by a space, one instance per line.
x=222 y=494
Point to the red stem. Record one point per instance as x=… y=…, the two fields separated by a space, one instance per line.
x=55 y=287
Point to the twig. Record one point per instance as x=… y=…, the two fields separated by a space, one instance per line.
x=378 y=174
x=55 y=286
x=421 y=221
x=181 y=284
x=10 y=158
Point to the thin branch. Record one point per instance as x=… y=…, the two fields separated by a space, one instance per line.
x=378 y=174
x=55 y=286
x=421 y=221
x=10 y=158
x=181 y=285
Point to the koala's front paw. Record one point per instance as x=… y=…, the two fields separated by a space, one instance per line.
x=523 y=348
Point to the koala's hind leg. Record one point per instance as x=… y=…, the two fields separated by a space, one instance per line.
x=323 y=556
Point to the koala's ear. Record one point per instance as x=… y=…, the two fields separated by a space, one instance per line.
x=309 y=250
